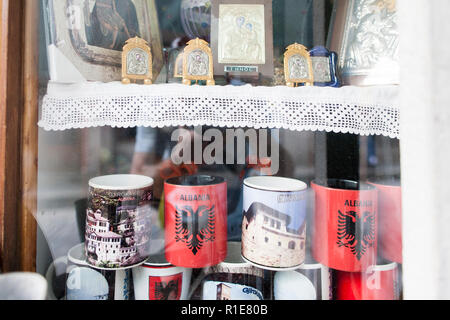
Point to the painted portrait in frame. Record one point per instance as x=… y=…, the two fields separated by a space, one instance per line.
x=242 y=37
x=87 y=37
x=365 y=36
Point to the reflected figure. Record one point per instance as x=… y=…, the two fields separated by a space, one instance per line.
x=152 y=150
x=112 y=22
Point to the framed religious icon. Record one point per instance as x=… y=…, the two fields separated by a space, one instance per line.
x=174 y=65
x=137 y=61
x=366 y=38
x=85 y=37
x=324 y=67
x=198 y=63
x=178 y=67
x=298 y=68
x=242 y=38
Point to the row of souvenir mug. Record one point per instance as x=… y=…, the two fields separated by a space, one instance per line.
x=232 y=279
x=353 y=223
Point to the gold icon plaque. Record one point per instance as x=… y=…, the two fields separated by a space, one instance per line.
x=298 y=68
x=137 y=61
x=198 y=63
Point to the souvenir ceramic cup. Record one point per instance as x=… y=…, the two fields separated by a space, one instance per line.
x=86 y=283
x=344 y=235
x=274 y=222
x=56 y=279
x=309 y=282
x=233 y=279
x=195 y=221
x=157 y=279
x=22 y=286
x=118 y=221
x=389 y=218
x=379 y=282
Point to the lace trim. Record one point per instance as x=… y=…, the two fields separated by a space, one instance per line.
x=357 y=110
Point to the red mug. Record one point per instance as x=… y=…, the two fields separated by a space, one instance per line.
x=344 y=233
x=390 y=219
x=379 y=282
x=195 y=221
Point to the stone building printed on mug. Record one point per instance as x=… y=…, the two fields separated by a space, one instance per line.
x=134 y=225
x=267 y=239
x=223 y=292
x=100 y=241
x=112 y=244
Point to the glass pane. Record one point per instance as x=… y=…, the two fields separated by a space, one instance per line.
x=264 y=210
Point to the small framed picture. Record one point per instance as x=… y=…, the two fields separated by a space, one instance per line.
x=178 y=69
x=298 y=68
x=365 y=36
x=242 y=37
x=197 y=63
x=174 y=65
x=86 y=37
x=137 y=61
x=324 y=67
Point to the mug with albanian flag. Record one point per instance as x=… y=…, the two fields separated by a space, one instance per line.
x=157 y=279
x=195 y=221
x=380 y=282
x=345 y=224
x=390 y=217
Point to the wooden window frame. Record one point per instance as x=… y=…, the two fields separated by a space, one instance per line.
x=18 y=133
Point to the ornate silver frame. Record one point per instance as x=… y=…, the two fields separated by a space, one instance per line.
x=242 y=68
x=365 y=36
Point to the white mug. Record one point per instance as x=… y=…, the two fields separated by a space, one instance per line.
x=233 y=279
x=55 y=272
x=87 y=283
x=308 y=282
x=22 y=286
x=157 y=279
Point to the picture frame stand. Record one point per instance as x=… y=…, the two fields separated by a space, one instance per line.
x=242 y=39
x=198 y=63
x=243 y=77
x=137 y=61
x=298 y=68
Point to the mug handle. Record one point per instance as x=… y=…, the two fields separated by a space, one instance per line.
x=49 y=276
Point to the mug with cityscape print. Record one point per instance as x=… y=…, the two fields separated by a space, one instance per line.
x=118 y=221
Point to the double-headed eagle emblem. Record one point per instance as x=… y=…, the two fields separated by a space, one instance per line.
x=356 y=232
x=164 y=289
x=195 y=227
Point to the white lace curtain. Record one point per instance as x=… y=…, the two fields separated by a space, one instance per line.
x=358 y=110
